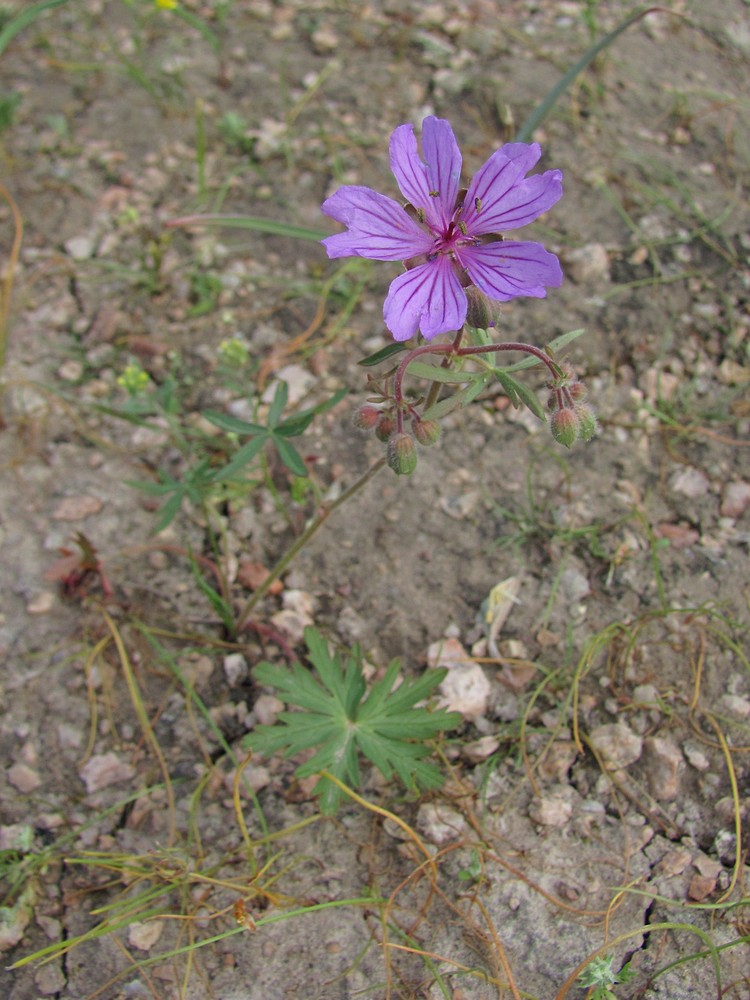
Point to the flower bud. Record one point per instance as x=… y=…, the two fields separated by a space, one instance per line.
x=426 y=432
x=384 y=427
x=564 y=424
x=578 y=391
x=586 y=422
x=401 y=454
x=480 y=312
x=366 y=417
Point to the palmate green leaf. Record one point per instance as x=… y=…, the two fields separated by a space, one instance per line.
x=337 y=716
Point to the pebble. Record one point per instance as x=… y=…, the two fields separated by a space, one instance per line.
x=465 y=688
x=480 y=749
x=690 y=482
x=439 y=824
x=24 y=778
x=664 y=766
x=617 y=744
x=70 y=370
x=736 y=706
x=299 y=381
x=50 y=980
x=558 y=761
x=736 y=499
x=103 y=770
x=255 y=777
x=143 y=935
x=324 y=41
x=267 y=708
x=587 y=264
x=42 y=603
x=732 y=373
x=235 y=669
x=80 y=247
x=695 y=756
x=551 y=810
x=574 y=585
x=251 y=574
x=76 y=508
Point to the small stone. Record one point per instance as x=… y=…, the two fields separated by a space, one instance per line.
x=695 y=756
x=480 y=749
x=587 y=264
x=267 y=708
x=709 y=867
x=732 y=373
x=299 y=381
x=574 y=585
x=679 y=536
x=736 y=706
x=675 y=862
x=324 y=41
x=700 y=887
x=235 y=669
x=690 y=482
x=42 y=603
x=254 y=778
x=558 y=761
x=736 y=499
x=24 y=778
x=143 y=935
x=80 y=247
x=664 y=765
x=617 y=744
x=76 y=508
x=103 y=770
x=70 y=370
x=646 y=694
x=251 y=574
x=465 y=688
x=50 y=980
x=551 y=810
x=439 y=824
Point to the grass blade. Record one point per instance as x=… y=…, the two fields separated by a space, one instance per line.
x=541 y=111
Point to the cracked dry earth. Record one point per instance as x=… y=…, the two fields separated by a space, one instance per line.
x=597 y=793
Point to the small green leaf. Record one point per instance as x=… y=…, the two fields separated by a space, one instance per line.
x=339 y=718
x=290 y=456
x=243 y=457
x=382 y=355
x=233 y=425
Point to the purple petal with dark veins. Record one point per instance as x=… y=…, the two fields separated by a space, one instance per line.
x=501 y=198
x=428 y=298
x=408 y=168
x=378 y=227
x=443 y=166
x=508 y=269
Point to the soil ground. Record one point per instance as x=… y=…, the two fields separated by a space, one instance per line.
x=597 y=798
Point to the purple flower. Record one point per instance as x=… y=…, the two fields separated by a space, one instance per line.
x=449 y=239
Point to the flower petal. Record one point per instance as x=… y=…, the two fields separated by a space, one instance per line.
x=431 y=186
x=408 y=169
x=429 y=298
x=506 y=269
x=378 y=227
x=443 y=165
x=500 y=197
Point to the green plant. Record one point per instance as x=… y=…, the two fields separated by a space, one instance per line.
x=276 y=431
x=341 y=719
x=600 y=974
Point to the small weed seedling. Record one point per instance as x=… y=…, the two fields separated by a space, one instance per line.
x=601 y=976
x=341 y=719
